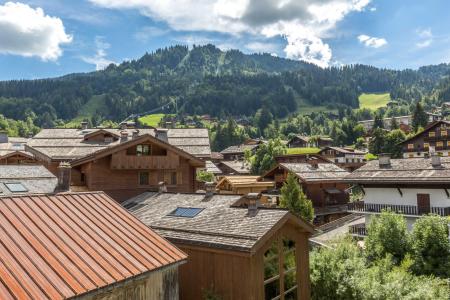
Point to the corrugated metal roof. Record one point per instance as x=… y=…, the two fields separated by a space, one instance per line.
x=61 y=246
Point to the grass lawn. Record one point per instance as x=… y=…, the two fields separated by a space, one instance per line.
x=151 y=120
x=303 y=150
x=374 y=101
x=307 y=110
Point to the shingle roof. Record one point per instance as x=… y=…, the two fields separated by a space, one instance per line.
x=245 y=180
x=344 y=150
x=212 y=168
x=239 y=149
x=309 y=173
x=14 y=144
x=36 y=179
x=61 y=246
x=218 y=225
x=237 y=166
x=68 y=144
x=410 y=170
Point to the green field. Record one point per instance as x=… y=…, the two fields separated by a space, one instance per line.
x=303 y=150
x=374 y=101
x=307 y=110
x=151 y=120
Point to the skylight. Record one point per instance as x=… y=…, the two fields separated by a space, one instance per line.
x=185 y=212
x=16 y=187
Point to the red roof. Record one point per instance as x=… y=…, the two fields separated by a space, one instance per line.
x=60 y=246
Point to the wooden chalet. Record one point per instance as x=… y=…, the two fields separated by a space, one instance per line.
x=300 y=141
x=82 y=246
x=12 y=151
x=234 y=167
x=302 y=158
x=234 y=252
x=237 y=152
x=322 y=183
x=435 y=137
x=347 y=158
x=242 y=185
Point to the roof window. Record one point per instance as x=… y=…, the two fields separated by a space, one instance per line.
x=185 y=212
x=16 y=187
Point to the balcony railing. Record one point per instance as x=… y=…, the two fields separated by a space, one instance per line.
x=360 y=206
x=358 y=229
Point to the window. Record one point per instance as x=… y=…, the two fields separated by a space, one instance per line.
x=185 y=212
x=410 y=146
x=439 y=144
x=431 y=134
x=16 y=187
x=284 y=250
x=443 y=132
x=448 y=143
x=143 y=150
x=172 y=177
x=411 y=155
x=426 y=145
x=144 y=178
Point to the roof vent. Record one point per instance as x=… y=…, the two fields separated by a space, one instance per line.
x=84 y=125
x=210 y=188
x=123 y=125
x=123 y=135
x=162 y=188
x=384 y=160
x=161 y=134
x=253 y=203
x=3 y=137
x=435 y=160
x=135 y=133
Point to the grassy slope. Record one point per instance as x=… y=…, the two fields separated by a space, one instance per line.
x=151 y=120
x=303 y=150
x=373 y=101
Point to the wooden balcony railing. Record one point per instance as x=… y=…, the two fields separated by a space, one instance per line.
x=358 y=229
x=122 y=161
x=413 y=210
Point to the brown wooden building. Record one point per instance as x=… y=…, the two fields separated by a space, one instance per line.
x=233 y=252
x=434 y=138
x=12 y=151
x=82 y=246
x=242 y=185
x=321 y=182
x=347 y=158
x=300 y=141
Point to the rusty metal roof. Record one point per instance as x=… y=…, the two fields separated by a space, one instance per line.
x=65 y=245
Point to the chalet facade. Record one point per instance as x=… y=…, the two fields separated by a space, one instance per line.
x=82 y=246
x=434 y=138
x=237 y=152
x=322 y=183
x=12 y=151
x=412 y=187
x=235 y=250
x=124 y=162
x=300 y=141
x=346 y=158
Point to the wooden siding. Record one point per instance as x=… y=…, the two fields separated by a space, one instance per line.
x=121 y=160
x=18 y=159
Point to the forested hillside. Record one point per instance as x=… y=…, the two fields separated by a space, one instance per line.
x=206 y=80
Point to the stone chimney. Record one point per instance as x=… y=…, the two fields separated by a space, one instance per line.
x=384 y=160
x=253 y=203
x=161 y=134
x=135 y=133
x=162 y=188
x=64 y=169
x=3 y=137
x=435 y=160
x=123 y=136
x=84 y=125
x=123 y=125
x=210 y=188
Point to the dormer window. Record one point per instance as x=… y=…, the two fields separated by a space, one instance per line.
x=108 y=139
x=143 y=150
x=432 y=134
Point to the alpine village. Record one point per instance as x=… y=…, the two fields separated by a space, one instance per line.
x=197 y=171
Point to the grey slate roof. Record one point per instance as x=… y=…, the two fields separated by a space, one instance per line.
x=237 y=166
x=36 y=179
x=323 y=171
x=218 y=225
x=212 y=168
x=14 y=144
x=69 y=144
x=344 y=150
x=238 y=149
x=408 y=170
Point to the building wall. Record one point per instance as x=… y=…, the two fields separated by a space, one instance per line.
x=386 y=195
x=315 y=192
x=18 y=160
x=156 y=285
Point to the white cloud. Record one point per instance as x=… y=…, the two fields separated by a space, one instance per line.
x=261 y=47
x=100 y=59
x=425 y=38
x=372 y=42
x=303 y=24
x=373 y=9
x=29 y=32
x=148 y=32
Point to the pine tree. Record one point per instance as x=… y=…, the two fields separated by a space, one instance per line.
x=394 y=124
x=293 y=198
x=378 y=122
x=420 y=118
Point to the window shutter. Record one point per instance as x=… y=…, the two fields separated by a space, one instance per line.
x=167 y=177
x=179 y=177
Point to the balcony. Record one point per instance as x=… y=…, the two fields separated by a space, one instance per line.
x=361 y=207
x=133 y=162
x=358 y=230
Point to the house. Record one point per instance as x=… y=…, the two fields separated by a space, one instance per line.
x=234 y=252
x=236 y=167
x=126 y=162
x=236 y=152
x=434 y=137
x=26 y=179
x=212 y=168
x=242 y=185
x=412 y=187
x=299 y=141
x=82 y=246
x=302 y=158
x=12 y=151
x=322 y=183
x=404 y=122
x=347 y=158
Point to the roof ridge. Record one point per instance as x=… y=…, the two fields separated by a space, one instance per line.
x=230 y=235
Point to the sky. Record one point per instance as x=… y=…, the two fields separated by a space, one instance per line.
x=49 y=38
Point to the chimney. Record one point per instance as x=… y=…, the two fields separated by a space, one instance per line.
x=161 y=134
x=162 y=188
x=3 y=137
x=210 y=188
x=123 y=125
x=64 y=169
x=253 y=203
x=135 y=133
x=384 y=160
x=435 y=160
x=84 y=125
x=123 y=136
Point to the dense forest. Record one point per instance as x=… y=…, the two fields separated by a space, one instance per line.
x=206 y=80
